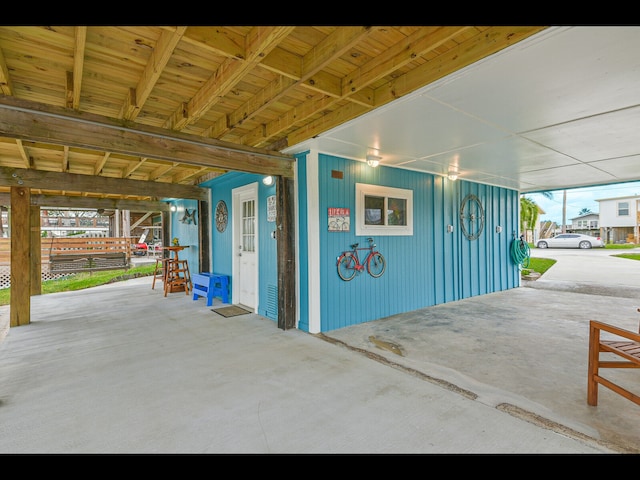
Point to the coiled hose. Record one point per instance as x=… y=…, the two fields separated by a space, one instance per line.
x=520 y=252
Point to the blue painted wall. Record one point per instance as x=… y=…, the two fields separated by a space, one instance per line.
x=428 y=268
x=187 y=233
x=222 y=248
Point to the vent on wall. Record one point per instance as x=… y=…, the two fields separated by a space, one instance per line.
x=272 y=301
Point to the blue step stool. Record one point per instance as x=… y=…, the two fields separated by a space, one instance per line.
x=210 y=285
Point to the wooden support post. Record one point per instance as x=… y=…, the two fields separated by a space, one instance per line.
x=20 y=302
x=286 y=253
x=204 y=237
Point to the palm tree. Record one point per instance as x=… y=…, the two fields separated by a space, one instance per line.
x=528 y=215
x=529 y=212
x=584 y=211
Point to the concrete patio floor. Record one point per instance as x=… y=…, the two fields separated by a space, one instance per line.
x=122 y=369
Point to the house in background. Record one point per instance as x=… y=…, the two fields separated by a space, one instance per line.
x=620 y=219
x=548 y=229
x=587 y=224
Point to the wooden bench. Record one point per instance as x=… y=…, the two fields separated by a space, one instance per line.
x=87 y=262
x=90 y=254
x=625 y=344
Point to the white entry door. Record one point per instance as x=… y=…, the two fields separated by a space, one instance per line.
x=245 y=235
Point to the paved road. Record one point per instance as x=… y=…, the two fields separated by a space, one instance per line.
x=596 y=268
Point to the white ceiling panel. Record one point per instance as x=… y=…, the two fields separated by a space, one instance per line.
x=611 y=135
x=558 y=110
x=416 y=128
x=620 y=168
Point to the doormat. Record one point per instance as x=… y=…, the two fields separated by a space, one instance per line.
x=232 y=311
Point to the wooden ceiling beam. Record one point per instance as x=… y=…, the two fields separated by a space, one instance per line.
x=33 y=121
x=259 y=42
x=61 y=201
x=160 y=56
x=5 y=78
x=472 y=50
x=23 y=154
x=420 y=42
x=101 y=163
x=390 y=61
x=133 y=166
x=65 y=159
x=162 y=171
x=78 y=65
x=310 y=76
x=226 y=44
x=72 y=182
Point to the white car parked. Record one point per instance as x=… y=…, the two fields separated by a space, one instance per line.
x=571 y=240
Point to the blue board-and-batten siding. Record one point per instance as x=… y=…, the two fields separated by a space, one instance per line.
x=302 y=242
x=223 y=249
x=427 y=268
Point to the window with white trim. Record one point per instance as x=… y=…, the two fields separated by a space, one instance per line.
x=383 y=210
x=623 y=209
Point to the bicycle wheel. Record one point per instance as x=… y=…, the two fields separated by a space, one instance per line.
x=376 y=265
x=346 y=266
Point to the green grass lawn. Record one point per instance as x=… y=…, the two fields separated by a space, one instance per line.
x=80 y=281
x=540 y=265
x=631 y=256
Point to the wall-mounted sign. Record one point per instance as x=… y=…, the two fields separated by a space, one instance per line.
x=339 y=219
x=271 y=208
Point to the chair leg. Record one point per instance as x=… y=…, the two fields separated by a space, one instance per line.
x=158 y=271
x=188 y=286
x=169 y=276
x=593 y=368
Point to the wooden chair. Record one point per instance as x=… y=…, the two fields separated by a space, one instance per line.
x=625 y=345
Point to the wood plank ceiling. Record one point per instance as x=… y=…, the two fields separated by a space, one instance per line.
x=164 y=107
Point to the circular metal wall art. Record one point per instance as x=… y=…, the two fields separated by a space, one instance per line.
x=471 y=217
x=222 y=216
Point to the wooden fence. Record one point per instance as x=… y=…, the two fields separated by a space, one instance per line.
x=87 y=254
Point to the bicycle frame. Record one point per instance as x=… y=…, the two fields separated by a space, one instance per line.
x=348 y=262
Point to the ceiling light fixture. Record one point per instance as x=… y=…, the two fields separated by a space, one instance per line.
x=453 y=174
x=373 y=160
x=268 y=180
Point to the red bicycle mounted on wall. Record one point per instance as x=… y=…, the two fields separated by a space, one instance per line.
x=349 y=262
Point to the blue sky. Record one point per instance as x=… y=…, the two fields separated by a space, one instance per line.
x=579 y=198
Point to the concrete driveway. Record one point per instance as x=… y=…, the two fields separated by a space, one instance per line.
x=526 y=347
x=122 y=369
x=598 y=271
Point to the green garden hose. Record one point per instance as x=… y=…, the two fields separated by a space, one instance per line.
x=520 y=252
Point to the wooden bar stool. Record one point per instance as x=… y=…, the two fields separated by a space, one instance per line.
x=178 y=277
x=160 y=271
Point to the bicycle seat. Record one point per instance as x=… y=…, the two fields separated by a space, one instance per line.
x=355 y=245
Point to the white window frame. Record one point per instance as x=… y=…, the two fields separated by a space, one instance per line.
x=362 y=190
x=627 y=207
